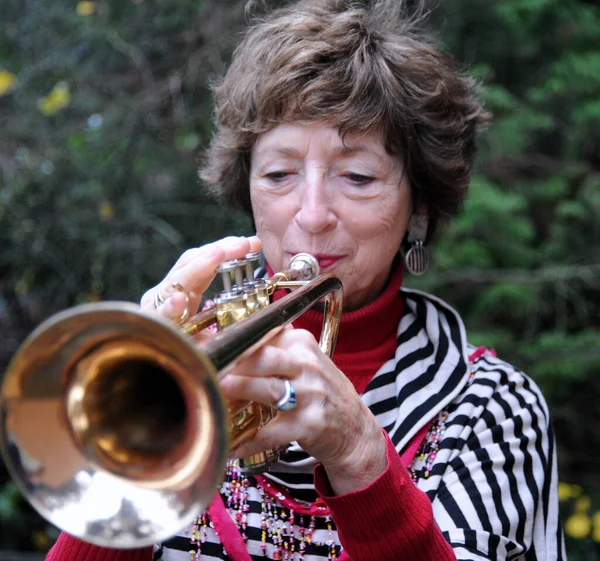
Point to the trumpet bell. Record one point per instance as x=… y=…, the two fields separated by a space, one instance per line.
x=112 y=422
x=111 y=425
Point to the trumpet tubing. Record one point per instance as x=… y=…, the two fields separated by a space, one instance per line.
x=113 y=424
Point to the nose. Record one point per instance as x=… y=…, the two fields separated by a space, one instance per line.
x=317 y=211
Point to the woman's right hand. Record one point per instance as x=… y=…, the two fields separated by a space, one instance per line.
x=194 y=271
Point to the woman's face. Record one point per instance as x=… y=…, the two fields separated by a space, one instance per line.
x=347 y=203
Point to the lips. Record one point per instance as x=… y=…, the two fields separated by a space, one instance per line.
x=325 y=260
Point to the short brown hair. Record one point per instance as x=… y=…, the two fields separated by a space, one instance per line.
x=361 y=68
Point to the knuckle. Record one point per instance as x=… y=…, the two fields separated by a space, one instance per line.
x=239 y=387
x=306 y=360
x=264 y=439
x=314 y=420
x=274 y=389
x=305 y=337
x=229 y=241
x=260 y=360
x=319 y=390
x=235 y=386
x=186 y=256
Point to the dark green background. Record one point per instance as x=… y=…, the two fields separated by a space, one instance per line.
x=99 y=199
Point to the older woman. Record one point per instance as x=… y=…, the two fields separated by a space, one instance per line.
x=347 y=136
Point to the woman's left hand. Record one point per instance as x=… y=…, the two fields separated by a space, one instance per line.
x=329 y=422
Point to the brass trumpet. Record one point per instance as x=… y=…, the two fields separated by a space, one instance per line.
x=112 y=421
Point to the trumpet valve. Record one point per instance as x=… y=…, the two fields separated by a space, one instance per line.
x=237 y=272
x=230 y=307
x=257 y=295
x=250 y=259
x=225 y=270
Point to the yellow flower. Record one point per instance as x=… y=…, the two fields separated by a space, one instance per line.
x=582 y=504
x=576 y=491
x=8 y=81
x=85 y=8
x=564 y=492
x=106 y=210
x=578 y=525
x=57 y=99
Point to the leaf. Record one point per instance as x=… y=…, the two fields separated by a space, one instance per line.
x=506 y=298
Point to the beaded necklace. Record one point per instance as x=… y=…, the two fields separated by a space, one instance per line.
x=286 y=523
x=427 y=453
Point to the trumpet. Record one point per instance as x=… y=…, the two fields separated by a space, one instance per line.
x=112 y=421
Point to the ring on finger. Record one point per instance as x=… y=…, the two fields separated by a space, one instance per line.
x=158 y=299
x=288 y=401
x=186 y=313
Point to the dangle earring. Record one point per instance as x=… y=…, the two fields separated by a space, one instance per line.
x=417 y=257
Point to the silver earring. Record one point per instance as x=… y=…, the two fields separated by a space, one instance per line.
x=417 y=257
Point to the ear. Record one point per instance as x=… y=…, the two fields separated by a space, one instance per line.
x=421 y=208
x=417 y=228
x=416 y=258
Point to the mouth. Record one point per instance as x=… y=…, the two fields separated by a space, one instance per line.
x=326 y=261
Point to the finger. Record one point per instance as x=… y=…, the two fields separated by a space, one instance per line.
x=196 y=271
x=279 y=432
x=250 y=448
x=195 y=280
x=255 y=244
x=288 y=338
x=271 y=361
x=196 y=268
x=172 y=310
x=233 y=247
x=268 y=390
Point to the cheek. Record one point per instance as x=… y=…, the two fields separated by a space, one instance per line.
x=272 y=214
x=382 y=225
x=378 y=232
x=260 y=209
x=271 y=218
x=395 y=215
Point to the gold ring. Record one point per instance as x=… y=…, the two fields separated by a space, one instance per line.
x=186 y=313
x=158 y=299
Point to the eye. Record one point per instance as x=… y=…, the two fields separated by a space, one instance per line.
x=278 y=176
x=359 y=179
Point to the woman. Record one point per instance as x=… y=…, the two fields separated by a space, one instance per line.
x=345 y=135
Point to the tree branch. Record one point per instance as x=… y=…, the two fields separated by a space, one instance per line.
x=587 y=273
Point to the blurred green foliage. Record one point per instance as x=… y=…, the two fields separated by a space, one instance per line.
x=105 y=106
